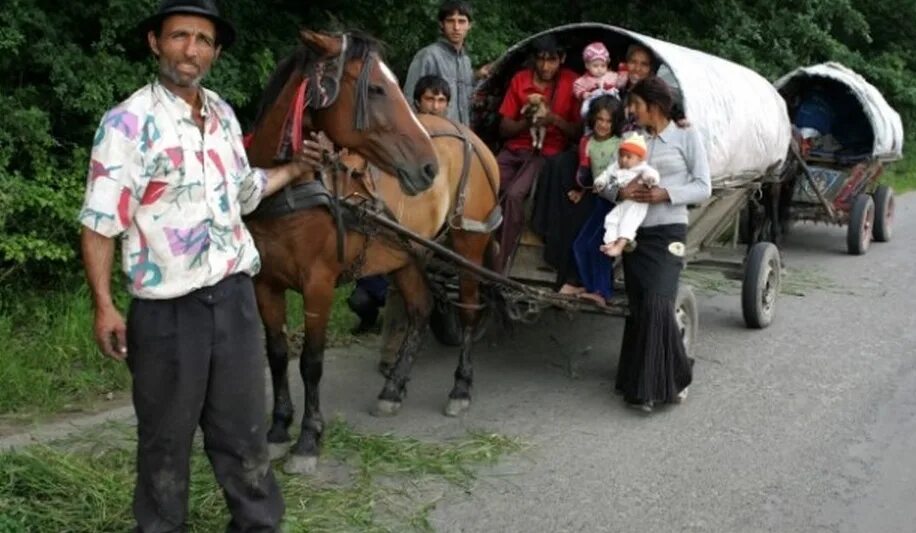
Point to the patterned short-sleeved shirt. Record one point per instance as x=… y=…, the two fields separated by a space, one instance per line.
x=175 y=193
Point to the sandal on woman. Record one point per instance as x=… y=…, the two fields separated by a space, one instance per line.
x=645 y=407
x=571 y=290
x=681 y=396
x=596 y=298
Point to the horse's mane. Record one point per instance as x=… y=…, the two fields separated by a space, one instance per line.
x=360 y=44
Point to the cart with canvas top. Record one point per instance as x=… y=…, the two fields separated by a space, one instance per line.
x=848 y=134
x=746 y=129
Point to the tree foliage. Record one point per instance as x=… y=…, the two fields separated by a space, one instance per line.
x=62 y=64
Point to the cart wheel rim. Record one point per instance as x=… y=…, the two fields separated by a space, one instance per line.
x=889 y=212
x=867 y=222
x=770 y=288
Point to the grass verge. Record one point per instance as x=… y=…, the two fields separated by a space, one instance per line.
x=46 y=489
x=902 y=174
x=49 y=361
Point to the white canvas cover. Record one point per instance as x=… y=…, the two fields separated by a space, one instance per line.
x=885 y=122
x=741 y=116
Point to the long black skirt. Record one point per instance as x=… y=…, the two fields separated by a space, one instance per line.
x=654 y=366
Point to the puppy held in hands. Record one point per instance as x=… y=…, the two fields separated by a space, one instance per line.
x=536 y=109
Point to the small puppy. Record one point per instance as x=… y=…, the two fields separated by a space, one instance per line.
x=536 y=108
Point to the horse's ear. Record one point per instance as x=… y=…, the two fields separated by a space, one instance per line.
x=322 y=44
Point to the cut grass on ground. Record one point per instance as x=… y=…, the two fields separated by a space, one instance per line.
x=795 y=282
x=391 y=486
x=49 y=361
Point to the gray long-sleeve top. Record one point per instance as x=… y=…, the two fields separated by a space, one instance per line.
x=442 y=59
x=680 y=158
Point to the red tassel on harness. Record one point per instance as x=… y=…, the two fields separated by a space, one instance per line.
x=296 y=112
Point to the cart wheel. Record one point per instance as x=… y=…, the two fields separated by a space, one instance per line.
x=688 y=320
x=762 y=275
x=445 y=323
x=884 y=213
x=861 y=220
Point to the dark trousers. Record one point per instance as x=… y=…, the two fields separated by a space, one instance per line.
x=198 y=360
x=517 y=172
x=594 y=266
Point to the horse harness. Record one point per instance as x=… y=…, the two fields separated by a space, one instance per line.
x=456 y=220
x=319 y=89
x=349 y=210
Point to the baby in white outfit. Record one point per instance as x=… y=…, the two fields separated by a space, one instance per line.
x=621 y=223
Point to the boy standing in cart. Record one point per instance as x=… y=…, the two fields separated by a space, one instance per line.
x=448 y=59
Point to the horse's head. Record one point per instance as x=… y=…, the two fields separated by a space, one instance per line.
x=344 y=89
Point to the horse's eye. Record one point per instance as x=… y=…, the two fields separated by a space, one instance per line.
x=376 y=90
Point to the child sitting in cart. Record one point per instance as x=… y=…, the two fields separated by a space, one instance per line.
x=621 y=223
x=598 y=79
x=596 y=153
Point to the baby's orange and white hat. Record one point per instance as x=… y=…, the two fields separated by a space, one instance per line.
x=634 y=144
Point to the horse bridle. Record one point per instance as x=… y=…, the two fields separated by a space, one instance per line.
x=320 y=88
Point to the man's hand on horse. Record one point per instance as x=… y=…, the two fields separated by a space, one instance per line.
x=111 y=332
x=309 y=159
x=317 y=153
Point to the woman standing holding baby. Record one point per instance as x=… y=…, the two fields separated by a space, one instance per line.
x=654 y=367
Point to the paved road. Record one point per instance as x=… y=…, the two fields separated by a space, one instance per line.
x=807 y=426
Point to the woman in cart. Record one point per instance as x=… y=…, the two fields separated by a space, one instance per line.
x=654 y=367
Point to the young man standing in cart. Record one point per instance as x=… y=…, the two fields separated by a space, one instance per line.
x=448 y=59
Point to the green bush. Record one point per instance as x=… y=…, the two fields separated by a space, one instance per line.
x=62 y=64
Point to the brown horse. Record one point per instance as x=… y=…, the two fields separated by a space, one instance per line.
x=301 y=250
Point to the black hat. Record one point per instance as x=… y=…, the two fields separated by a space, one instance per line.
x=225 y=33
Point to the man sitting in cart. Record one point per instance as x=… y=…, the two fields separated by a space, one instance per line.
x=519 y=163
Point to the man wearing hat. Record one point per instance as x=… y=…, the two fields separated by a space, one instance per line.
x=170 y=177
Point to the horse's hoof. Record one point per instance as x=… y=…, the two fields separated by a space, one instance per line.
x=277 y=450
x=456 y=406
x=386 y=408
x=303 y=465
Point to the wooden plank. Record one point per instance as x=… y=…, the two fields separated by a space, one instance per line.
x=708 y=221
x=529 y=266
